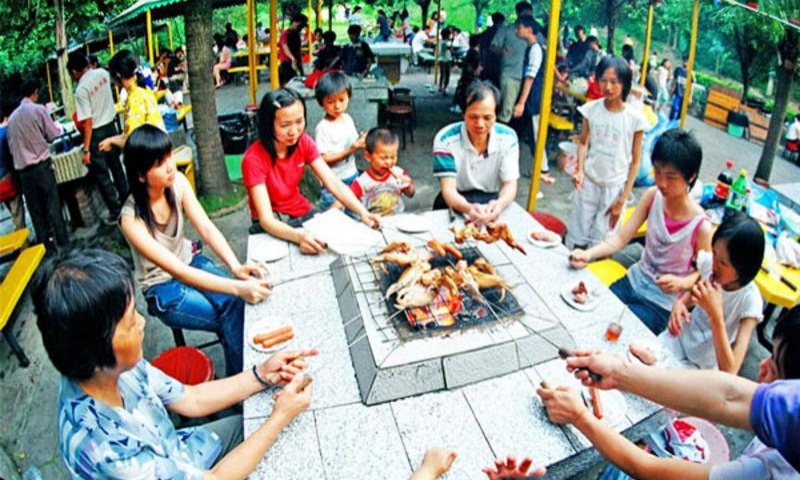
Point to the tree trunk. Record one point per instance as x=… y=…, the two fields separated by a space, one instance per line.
x=64 y=81
x=424 y=5
x=788 y=49
x=213 y=175
x=611 y=24
x=669 y=35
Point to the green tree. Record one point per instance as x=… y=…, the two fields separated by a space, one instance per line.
x=753 y=40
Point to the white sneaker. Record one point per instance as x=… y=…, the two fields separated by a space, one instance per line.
x=539 y=195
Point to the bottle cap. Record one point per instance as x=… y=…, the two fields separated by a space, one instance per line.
x=729 y=164
x=743 y=173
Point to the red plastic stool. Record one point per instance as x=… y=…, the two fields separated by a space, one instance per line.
x=554 y=224
x=187 y=365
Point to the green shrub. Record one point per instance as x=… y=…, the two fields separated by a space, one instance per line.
x=708 y=80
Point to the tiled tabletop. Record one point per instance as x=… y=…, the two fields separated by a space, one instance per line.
x=339 y=438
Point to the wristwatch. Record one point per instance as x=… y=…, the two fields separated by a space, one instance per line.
x=85 y=150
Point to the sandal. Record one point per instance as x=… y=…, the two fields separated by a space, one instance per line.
x=546 y=178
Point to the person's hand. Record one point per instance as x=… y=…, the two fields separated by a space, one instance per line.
x=708 y=296
x=492 y=211
x=677 y=317
x=607 y=365
x=371 y=220
x=477 y=214
x=614 y=212
x=282 y=367
x=519 y=109
x=360 y=143
x=253 y=290
x=293 y=399
x=436 y=462
x=87 y=158
x=670 y=283
x=579 y=258
x=509 y=468
x=311 y=245
x=251 y=270
x=564 y=405
x=105 y=145
x=577 y=180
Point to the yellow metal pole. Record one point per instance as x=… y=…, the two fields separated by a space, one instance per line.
x=547 y=97
x=155 y=45
x=150 y=38
x=273 y=43
x=687 y=91
x=49 y=79
x=647 y=36
x=111 y=43
x=251 y=51
x=319 y=13
x=169 y=33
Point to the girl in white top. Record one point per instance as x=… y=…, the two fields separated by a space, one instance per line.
x=728 y=300
x=676 y=233
x=182 y=288
x=609 y=149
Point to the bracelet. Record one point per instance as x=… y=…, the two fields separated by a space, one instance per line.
x=258 y=377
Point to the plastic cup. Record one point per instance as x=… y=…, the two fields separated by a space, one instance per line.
x=613 y=331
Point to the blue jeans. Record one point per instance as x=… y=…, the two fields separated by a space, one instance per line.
x=181 y=306
x=653 y=316
x=326 y=198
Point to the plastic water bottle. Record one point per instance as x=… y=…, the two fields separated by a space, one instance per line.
x=32 y=473
x=724 y=181
x=738 y=193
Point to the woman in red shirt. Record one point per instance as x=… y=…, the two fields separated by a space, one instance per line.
x=274 y=165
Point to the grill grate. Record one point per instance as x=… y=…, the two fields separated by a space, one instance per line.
x=437 y=317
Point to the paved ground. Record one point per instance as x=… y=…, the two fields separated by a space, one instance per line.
x=28 y=396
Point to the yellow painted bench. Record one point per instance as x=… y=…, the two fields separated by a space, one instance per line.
x=607 y=270
x=11 y=291
x=181 y=113
x=13 y=241
x=245 y=69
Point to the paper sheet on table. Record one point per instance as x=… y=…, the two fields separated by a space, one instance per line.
x=343 y=235
x=265 y=248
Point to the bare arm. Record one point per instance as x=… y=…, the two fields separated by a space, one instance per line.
x=583 y=145
x=340 y=191
x=716 y=396
x=267 y=219
x=519 y=108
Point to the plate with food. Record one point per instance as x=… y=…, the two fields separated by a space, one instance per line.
x=410 y=223
x=580 y=297
x=544 y=238
x=266 y=337
x=646 y=352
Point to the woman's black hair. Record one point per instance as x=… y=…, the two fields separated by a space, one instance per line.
x=744 y=239
x=146 y=147
x=330 y=83
x=787 y=355
x=272 y=102
x=621 y=68
x=480 y=90
x=679 y=148
x=79 y=297
x=123 y=65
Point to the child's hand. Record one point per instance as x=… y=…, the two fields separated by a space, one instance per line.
x=370 y=219
x=577 y=180
x=677 y=317
x=579 y=258
x=360 y=143
x=708 y=296
x=311 y=245
x=437 y=461
x=519 y=109
x=614 y=212
x=408 y=189
x=510 y=469
x=670 y=283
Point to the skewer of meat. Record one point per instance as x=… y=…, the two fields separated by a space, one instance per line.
x=597 y=408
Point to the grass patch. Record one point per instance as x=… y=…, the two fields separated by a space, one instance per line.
x=214 y=204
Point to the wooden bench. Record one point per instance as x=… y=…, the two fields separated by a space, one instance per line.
x=11 y=291
x=719 y=103
x=181 y=114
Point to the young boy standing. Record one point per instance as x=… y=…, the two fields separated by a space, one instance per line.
x=336 y=135
x=382 y=186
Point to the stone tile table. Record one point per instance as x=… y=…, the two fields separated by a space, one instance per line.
x=382 y=397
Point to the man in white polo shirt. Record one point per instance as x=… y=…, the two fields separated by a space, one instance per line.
x=477 y=160
x=96 y=112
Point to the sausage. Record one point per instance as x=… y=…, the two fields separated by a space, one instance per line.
x=437 y=247
x=596 y=407
x=452 y=250
x=284 y=337
x=306 y=381
x=263 y=337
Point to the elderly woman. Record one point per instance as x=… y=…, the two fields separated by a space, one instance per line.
x=113 y=407
x=477 y=160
